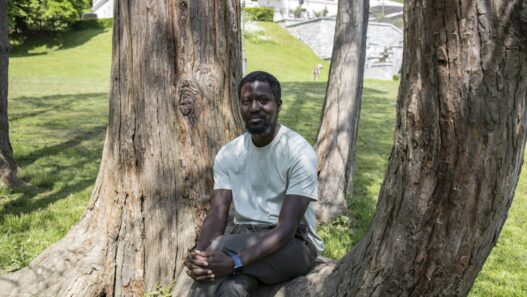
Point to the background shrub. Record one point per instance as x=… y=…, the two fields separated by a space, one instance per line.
x=260 y=14
x=92 y=24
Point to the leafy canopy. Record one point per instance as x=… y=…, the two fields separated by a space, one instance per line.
x=28 y=15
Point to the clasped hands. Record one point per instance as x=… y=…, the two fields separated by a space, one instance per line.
x=208 y=266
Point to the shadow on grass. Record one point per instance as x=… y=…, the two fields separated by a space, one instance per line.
x=70 y=144
x=56 y=175
x=302 y=107
x=59 y=140
x=26 y=203
x=31 y=107
x=23 y=45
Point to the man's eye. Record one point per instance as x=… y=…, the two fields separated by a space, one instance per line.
x=263 y=100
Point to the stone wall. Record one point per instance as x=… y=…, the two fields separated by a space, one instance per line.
x=384 y=43
x=316 y=33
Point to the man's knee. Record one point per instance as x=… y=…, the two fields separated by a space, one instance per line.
x=233 y=243
x=222 y=243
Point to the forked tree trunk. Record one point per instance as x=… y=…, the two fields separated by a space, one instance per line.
x=8 y=166
x=459 y=145
x=173 y=103
x=340 y=118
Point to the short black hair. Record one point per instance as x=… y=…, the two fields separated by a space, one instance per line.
x=263 y=77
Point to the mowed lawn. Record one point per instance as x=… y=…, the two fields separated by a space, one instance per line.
x=58 y=112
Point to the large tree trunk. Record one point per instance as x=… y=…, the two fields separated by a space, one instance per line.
x=173 y=104
x=340 y=118
x=459 y=146
x=8 y=166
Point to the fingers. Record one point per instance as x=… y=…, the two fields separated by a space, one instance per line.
x=196 y=269
x=199 y=273
x=205 y=278
x=199 y=261
x=200 y=253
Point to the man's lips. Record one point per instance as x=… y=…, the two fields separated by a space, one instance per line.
x=255 y=120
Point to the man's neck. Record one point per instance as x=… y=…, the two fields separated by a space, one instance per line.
x=261 y=140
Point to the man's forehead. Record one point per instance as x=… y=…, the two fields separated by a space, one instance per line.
x=256 y=86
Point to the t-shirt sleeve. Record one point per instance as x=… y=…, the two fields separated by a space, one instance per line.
x=303 y=179
x=221 y=174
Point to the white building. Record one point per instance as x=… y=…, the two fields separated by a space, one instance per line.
x=103 y=8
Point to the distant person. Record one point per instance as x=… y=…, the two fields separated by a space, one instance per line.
x=316 y=72
x=269 y=174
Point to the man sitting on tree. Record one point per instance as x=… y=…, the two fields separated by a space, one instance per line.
x=270 y=174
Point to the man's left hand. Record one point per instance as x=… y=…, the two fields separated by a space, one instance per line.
x=218 y=262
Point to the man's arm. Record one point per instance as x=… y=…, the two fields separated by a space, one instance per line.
x=291 y=215
x=213 y=226
x=216 y=219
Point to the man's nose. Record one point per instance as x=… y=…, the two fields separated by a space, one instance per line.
x=254 y=105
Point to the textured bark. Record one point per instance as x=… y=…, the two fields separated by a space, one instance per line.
x=312 y=284
x=173 y=103
x=8 y=166
x=340 y=118
x=459 y=146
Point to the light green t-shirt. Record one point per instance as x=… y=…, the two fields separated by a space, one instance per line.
x=261 y=177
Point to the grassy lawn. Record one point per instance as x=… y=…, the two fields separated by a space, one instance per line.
x=58 y=116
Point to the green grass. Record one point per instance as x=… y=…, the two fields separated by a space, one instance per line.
x=58 y=114
x=58 y=102
x=61 y=63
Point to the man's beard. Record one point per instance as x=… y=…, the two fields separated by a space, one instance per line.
x=266 y=127
x=263 y=129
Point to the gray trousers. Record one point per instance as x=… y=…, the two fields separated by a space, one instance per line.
x=295 y=258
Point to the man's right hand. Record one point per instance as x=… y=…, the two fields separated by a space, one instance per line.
x=213 y=226
x=197 y=269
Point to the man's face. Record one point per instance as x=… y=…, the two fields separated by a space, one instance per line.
x=258 y=107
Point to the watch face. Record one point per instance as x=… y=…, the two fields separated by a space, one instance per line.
x=238 y=266
x=238 y=269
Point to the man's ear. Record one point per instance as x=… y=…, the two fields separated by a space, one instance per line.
x=279 y=104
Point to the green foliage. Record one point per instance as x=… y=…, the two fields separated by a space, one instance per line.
x=60 y=13
x=161 y=291
x=39 y=15
x=261 y=14
x=337 y=237
x=323 y=13
x=298 y=11
x=92 y=24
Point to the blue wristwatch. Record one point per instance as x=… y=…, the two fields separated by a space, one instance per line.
x=238 y=266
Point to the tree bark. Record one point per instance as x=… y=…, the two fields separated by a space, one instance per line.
x=340 y=118
x=173 y=104
x=459 y=147
x=8 y=165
